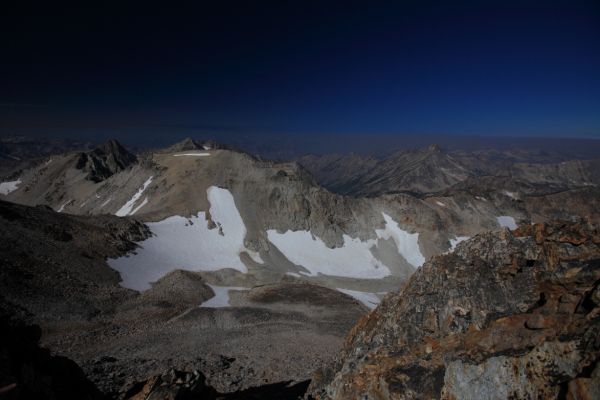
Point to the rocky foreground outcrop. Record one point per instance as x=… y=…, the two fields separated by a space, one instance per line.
x=28 y=371
x=507 y=315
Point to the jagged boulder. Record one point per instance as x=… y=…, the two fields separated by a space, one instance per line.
x=507 y=315
x=105 y=161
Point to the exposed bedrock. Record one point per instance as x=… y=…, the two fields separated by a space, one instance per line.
x=507 y=315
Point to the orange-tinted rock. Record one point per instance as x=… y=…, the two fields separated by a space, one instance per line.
x=507 y=315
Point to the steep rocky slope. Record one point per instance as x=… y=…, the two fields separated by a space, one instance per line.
x=53 y=265
x=507 y=315
x=54 y=273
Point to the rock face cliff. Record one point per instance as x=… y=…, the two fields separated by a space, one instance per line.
x=105 y=161
x=507 y=315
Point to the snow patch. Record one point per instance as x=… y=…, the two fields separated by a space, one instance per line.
x=506 y=221
x=368 y=299
x=353 y=259
x=7 y=187
x=295 y=275
x=205 y=147
x=127 y=207
x=439 y=203
x=512 y=195
x=144 y=202
x=61 y=208
x=192 y=154
x=480 y=198
x=407 y=243
x=188 y=243
x=221 y=298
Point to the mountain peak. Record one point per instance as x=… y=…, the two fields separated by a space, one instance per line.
x=112 y=146
x=188 y=144
x=105 y=160
x=434 y=148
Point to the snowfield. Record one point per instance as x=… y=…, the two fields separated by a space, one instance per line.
x=407 y=243
x=354 y=259
x=188 y=243
x=127 y=208
x=506 y=221
x=192 y=154
x=7 y=187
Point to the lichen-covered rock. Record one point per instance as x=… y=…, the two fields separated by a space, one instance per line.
x=507 y=315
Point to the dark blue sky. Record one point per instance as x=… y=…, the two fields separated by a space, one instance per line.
x=476 y=68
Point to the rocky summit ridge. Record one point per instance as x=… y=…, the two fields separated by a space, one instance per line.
x=508 y=315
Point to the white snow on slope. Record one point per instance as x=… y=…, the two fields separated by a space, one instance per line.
x=512 y=195
x=192 y=154
x=454 y=242
x=61 y=208
x=368 y=299
x=354 y=259
x=142 y=204
x=407 y=243
x=127 y=207
x=7 y=187
x=506 y=221
x=439 y=203
x=187 y=243
x=221 y=298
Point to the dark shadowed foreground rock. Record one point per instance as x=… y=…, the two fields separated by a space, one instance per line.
x=507 y=315
x=28 y=371
x=182 y=385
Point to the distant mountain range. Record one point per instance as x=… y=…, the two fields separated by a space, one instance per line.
x=287 y=146
x=432 y=170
